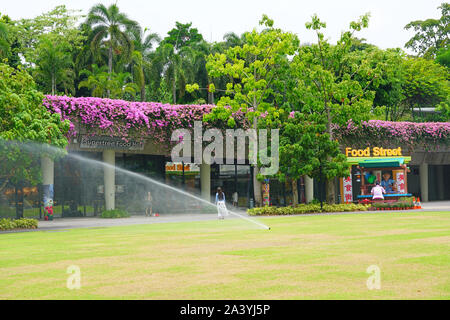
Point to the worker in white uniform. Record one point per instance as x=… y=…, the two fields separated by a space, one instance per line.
x=220 y=203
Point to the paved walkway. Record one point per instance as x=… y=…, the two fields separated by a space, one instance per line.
x=77 y=223
x=436 y=206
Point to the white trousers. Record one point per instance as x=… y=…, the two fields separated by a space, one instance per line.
x=222 y=209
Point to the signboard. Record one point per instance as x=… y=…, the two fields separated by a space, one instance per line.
x=373 y=152
x=266 y=193
x=347 y=189
x=400 y=181
x=178 y=167
x=110 y=143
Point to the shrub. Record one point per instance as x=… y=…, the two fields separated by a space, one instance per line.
x=115 y=214
x=307 y=208
x=9 y=224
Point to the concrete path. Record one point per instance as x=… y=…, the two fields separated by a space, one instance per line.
x=76 y=223
x=436 y=206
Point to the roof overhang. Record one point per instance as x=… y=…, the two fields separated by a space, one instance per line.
x=378 y=162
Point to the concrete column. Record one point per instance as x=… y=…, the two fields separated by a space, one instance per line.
x=423 y=171
x=48 y=181
x=205 y=181
x=440 y=182
x=309 y=189
x=109 y=172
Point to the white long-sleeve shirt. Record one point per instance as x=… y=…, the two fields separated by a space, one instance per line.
x=377 y=192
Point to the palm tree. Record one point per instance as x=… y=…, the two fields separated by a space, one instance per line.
x=53 y=65
x=122 y=85
x=112 y=29
x=178 y=67
x=96 y=80
x=142 y=57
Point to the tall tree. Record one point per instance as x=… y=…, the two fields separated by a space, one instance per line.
x=431 y=34
x=23 y=119
x=177 y=52
x=142 y=57
x=54 y=67
x=327 y=85
x=4 y=40
x=252 y=70
x=112 y=29
x=426 y=86
x=60 y=22
x=183 y=35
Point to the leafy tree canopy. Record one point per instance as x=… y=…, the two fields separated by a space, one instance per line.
x=183 y=35
x=431 y=34
x=23 y=119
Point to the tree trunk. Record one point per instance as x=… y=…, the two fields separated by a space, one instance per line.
x=257 y=187
x=53 y=84
x=110 y=67
x=329 y=184
x=174 y=87
x=3 y=186
x=256 y=182
x=294 y=193
x=174 y=92
x=143 y=94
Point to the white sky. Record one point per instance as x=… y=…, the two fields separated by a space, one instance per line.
x=215 y=18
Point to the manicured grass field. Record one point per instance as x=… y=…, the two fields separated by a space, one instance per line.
x=303 y=257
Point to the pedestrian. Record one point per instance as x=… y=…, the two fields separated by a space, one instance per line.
x=149 y=205
x=235 y=199
x=220 y=203
x=378 y=192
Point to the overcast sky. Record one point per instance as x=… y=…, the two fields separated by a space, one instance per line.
x=215 y=18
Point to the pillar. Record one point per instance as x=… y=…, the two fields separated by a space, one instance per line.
x=440 y=182
x=109 y=173
x=205 y=181
x=423 y=171
x=48 y=181
x=309 y=189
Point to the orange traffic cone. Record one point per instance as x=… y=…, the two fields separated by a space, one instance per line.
x=419 y=205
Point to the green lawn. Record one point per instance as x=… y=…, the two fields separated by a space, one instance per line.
x=304 y=257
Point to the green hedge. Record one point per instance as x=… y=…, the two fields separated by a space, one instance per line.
x=9 y=224
x=403 y=203
x=115 y=214
x=307 y=208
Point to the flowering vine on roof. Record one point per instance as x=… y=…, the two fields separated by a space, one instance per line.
x=409 y=134
x=130 y=119
x=149 y=119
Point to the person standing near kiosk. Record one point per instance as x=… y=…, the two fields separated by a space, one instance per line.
x=387 y=183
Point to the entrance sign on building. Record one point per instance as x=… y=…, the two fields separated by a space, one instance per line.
x=373 y=152
x=178 y=167
x=110 y=143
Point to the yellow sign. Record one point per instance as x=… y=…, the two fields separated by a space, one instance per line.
x=178 y=167
x=373 y=152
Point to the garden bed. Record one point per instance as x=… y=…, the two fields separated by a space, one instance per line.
x=404 y=203
x=20 y=224
x=115 y=214
x=306 y=209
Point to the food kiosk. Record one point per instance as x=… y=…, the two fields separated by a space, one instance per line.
x=368 y=167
